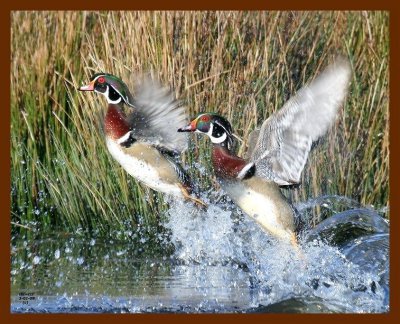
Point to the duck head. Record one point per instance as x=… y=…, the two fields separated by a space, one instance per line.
x=218 y=129
x=113 y=88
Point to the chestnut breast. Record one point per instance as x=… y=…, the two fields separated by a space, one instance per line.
x=225 y=164
x=115 y=123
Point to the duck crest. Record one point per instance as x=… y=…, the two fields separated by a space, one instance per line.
x=226 y=165
x=115 y=123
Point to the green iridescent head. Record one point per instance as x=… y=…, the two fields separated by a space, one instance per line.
x=112 y=87
x=215 y=126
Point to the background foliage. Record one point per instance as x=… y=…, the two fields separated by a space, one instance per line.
x=243 y=65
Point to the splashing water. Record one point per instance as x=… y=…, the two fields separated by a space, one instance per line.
x=222 y=262
x=337 y=274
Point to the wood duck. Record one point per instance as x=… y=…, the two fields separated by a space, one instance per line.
x=143 y=142
x=277 y=151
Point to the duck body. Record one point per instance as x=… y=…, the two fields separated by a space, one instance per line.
x=147 y=165
x=260 y=199
x=144 y=162
x=139 y=141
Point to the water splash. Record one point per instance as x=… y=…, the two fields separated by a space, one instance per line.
x=332 y=267
x=222 y=262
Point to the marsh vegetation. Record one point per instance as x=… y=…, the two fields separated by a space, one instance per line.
x=243 y=65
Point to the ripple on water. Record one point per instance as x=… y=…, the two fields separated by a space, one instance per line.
x=222 y=262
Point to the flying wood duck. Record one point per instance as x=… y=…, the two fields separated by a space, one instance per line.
x=143 y=142
x=277 y=152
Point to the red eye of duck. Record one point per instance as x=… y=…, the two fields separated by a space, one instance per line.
x=101 y=80
x=205 y=118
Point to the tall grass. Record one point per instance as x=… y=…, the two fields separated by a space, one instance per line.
x=243 y=65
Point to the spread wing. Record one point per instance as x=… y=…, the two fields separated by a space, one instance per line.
x=285 y=137
x=251 y=142
x=157 y=116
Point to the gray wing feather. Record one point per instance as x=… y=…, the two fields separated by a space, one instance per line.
x=286 y=137
x=157 y=116
x=251 y=142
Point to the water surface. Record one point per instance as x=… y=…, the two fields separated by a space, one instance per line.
x=222 y=263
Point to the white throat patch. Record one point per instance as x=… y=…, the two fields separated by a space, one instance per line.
x=216 y=140
x=106 y=94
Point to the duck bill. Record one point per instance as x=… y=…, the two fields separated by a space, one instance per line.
x=89 y=87
x=189 y=128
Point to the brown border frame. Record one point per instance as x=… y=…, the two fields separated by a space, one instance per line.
x=203 y=5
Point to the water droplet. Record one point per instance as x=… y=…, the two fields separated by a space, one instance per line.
x=57 y=254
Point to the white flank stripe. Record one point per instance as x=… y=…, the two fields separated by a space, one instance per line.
x=243 y=172
x=124 y=138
